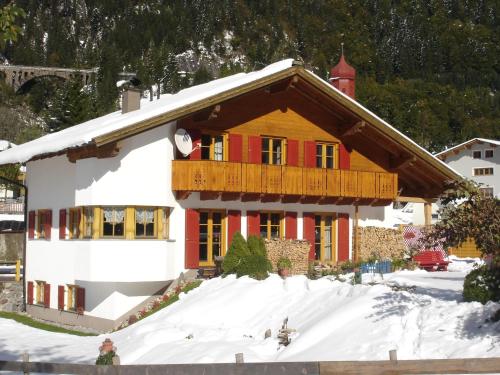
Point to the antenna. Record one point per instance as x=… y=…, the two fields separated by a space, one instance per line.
x=184 y=142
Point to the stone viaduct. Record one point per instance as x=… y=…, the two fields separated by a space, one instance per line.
x=16 y=76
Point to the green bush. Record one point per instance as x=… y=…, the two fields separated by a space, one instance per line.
x=482 y=285
x=247 y=258
x=284 y=263
x=105 y=359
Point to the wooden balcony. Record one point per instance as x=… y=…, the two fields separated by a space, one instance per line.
x=281 y=182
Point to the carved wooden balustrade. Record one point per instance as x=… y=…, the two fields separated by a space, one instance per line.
x=329 y=185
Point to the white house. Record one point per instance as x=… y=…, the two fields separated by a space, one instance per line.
x=116 y=211
x=477 y=159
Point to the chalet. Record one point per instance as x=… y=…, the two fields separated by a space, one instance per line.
x=116 y=210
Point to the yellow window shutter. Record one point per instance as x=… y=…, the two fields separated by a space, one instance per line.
x=129 y=223
x=96 y=227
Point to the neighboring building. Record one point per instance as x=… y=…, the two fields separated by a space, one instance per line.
x=116 y=211
x=477 y=159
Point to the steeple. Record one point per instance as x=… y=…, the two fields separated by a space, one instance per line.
x=343 y=76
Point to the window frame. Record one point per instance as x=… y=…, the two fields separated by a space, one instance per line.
x=324 y=157
x=70 y=298
x=334 y=236
x=41 y=222
x=84 y=222
x=209 y=243
x=483 y=170
x=474 y=154
x=39 y=294
x=211 y=146
x=492 y=153
x=268 y=225
x=269 y=151
x=155 y=223
x=487 y=192
x=107 y=236
x=74 y=223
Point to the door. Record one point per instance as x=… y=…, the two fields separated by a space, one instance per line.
x=212 y=236
x=325 y=229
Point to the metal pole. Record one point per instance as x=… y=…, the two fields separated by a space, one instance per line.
x=25 y=231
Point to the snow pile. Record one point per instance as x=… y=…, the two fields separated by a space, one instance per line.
x=463 y=264
x=418 y=313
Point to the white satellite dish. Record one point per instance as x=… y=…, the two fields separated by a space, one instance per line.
x=184 y=142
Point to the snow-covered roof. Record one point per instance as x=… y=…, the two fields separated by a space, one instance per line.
x=116 y=125
x=465 y=144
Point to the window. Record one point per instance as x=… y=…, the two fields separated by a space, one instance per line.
x=212 y=147
x=71 y=297
x=271 y=225
x=43 y=224
x=325 y=155
x=476 y=154
x=272 y=151
x=325 y=237
x=486 y=192
x=74 y=223
x=113 y=221
x=212 y=239
x=483 y=172
x=40 y=292
x=145 y=222
x=88 y=222
x=488 y=154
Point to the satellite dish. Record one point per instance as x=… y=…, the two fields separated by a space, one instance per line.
x=183 y=142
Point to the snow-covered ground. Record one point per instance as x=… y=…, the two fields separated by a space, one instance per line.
x=418 y=313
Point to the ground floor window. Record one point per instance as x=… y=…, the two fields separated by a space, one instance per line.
x=40 y=292
x=113 y=221
x=325 y=228
x=145 y=223
x=212 y=236
x=271 y=224
x=71 y=297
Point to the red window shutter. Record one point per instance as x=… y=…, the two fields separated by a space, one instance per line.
x=30 y=292
x=233 y=225
x=192 y=239
x=60 y=297
x=292 y=152
x=343 y=240
x=309 y=154
x=254 y=149
x=62 y=223
x=235 y=147
x=80 y=300
x=291 y=225
x=253 y=223
x=31 y=225
x=308 y=219
x=195 y=135
x=48 y=223
x=46 y=295
x=344 y=157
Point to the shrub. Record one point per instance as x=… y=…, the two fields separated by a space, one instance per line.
x=237 y=251
x=482 y=285
x=105 y=359
x=284 y=263
x=247 y=258
x=132 y=319
x=398 y=264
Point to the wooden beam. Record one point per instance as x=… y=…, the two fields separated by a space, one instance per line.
x=327 y=200
x=290 y=199
x=356 y=128
x=250 y=197
x=230 y=196
x=207 y=114
x=427 y=213
x=414 y=199
x=265 y=198
x=309 y=199
x=315 y=100
x=209 y=195
x=92 y=151
x=381 y=202
x=402 y=162
x=182 y=194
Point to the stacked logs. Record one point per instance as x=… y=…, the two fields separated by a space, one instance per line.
x=295 y=250
x=382 y=243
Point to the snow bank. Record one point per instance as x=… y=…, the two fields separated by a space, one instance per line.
x=334 y=321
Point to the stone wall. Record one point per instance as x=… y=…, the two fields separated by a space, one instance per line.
x=11 y=246
x=384 y=243
x=295 y=250
x=11 y=296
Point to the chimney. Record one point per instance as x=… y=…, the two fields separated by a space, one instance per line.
x=131 y=99
x=343 y=77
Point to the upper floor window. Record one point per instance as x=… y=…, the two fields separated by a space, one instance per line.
x=40 y=292
x=113 y=221
x=270 y=225
x=88 y=221
x=144 y=222
x=43 y=223
x=325 y=155
x=273 y=151
x=483 y=172
x=488 y=154
x=212 y=147
x=476 y=154
x=74 y=223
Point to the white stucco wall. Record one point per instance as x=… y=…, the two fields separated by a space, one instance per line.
x=464 y=163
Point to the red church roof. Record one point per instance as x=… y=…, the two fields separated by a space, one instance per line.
x=343 y=70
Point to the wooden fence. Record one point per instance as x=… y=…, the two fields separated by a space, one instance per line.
x=393 y=367
x=10 y=270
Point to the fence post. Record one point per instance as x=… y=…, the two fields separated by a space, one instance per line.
x=239 y=358
x=26 y=358
x=393 y=355
x=18 y=270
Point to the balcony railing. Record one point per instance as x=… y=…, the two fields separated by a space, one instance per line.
x=245 y=178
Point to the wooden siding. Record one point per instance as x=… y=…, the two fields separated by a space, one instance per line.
x=230 y=177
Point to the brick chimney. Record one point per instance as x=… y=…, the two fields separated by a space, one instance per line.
x=343 y=77
x=131 y=99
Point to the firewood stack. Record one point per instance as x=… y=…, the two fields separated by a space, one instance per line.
x=384 y=243
x=295 y=250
